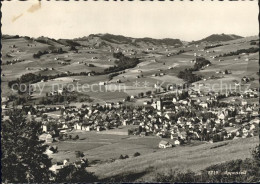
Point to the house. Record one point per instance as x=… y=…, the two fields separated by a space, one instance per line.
x=55 y=168
x=126 y=122
x=177 y=142
x=86 y=128
x=243 y=102
x=44 y=128
x=146 y=102
x=102 y=83
x=162 y=74
x=77 y=126
x=159 y=105
x=164 y=144
x=5 y=99
x=60 y=91
x=174 y=136
x=182 y=135
x=221 y=116
x=255 y=113
x=204 y=104
x=99 y=128
x=142 y=134
x=169 y=115
x=48 y=138
x=132 y=97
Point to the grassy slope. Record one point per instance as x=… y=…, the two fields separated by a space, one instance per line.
x=194 y=158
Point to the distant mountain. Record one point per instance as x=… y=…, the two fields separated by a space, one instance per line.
x=165 y=41
x=48 y=41
x=110 y=40
x=4 y=37
x=218 y=38
x=68 y=42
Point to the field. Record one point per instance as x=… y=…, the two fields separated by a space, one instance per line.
x=159 y=64
x=193 y=158
x=99 y=148
x=152 y=62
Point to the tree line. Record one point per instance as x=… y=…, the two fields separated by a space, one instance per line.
x=56 y=51
x=240 y=51
x=187 y=74
x=123 y=62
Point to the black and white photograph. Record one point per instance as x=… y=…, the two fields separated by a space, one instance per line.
x=130 y=91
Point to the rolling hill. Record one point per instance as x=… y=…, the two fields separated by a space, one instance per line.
x=165 y=59
x=109 y=39
x=218 y=38
x=194 y=158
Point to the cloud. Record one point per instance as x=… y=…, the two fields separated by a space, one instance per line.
x=34 y=7
x=16 y=17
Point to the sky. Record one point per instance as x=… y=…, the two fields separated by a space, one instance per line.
x=172 y=19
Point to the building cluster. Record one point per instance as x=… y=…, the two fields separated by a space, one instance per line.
x=181 y=117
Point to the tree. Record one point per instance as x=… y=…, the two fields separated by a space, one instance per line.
x=141 y=94
x=79 y=154
x=76 y=137
x=121 y=157
x=127 y=98
x=256 y=154
x=54 y=149
x=23 y=158
x=148 y=93
x=73 y=174
x=44 y=116
x=137 y=154
x=226 y=71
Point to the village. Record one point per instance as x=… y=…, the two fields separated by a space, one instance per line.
x=167 y=108
x=181 y=117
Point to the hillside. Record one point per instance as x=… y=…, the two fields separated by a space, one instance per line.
x=110 y=39
x=112 y=59
x=218 y=38
x=193 y=158
x=97 y=49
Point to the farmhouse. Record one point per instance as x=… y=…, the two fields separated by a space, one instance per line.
x=48 y=138
x=243 y=102
x=164 y=144
x=102 y=83
x=177 y=142
x=204 y=104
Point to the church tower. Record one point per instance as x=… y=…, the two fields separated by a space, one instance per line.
x=159 y=104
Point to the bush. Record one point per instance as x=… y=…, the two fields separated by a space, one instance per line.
x=76 y=137
x=72 y=174
x=137 y=154
x=240 y=51
x=91 y=65
x=217 y=173
x=123 y=157
x=54 y=149
x=256 y=154
x=79 y=154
